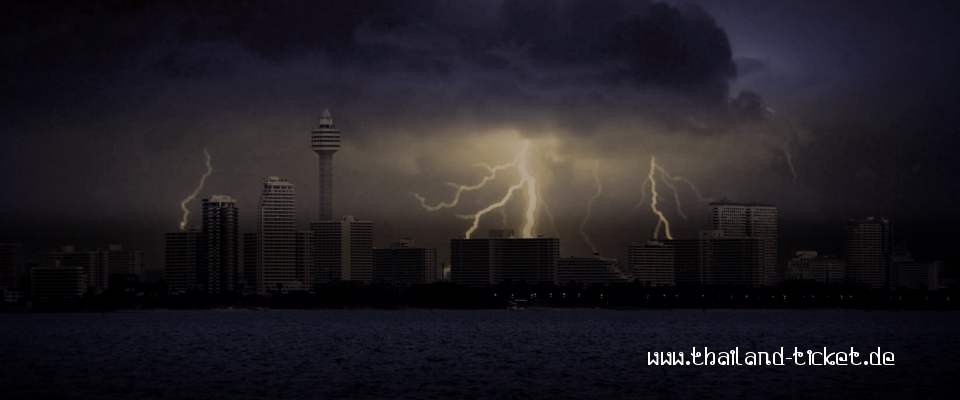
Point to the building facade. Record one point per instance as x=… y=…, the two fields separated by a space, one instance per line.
x=481 y=262
x=342 y=250
x=221 y=226
x=594 y=270
x=404 y=264
x=869 y=252
x=184 y=261
x=758 y=221
x=652 y=263
x=277 y=269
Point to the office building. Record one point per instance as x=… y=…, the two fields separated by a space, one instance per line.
x=593 y=270
x=869 y=252
x=343 y=250
x=909 y=273
x=124 y=266
x=757 y=221
x=55 y=283
x=652 y=263
x=503 y=258
x=732 y=261
x=808 y=265
x=184 y=261
x=93 y=262
x=250 y=269
x=404 y=264
x=277 y=269
x=222 y=230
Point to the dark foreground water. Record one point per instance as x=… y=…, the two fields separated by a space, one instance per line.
x=428 y=354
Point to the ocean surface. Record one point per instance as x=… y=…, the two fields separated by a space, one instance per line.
x=439 y=354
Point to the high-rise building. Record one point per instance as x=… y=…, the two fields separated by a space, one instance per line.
x=403 y=264
x=910 y=273
x=305 y=259
x=93 y=263
x=593 y=270
x=809 y=265
x=735 y=261
x=481 y=262
x=343 y=250
x=57 y=283
x=325 y=141
x=757 y=221
x=250 y=269
x=184 y=260
x=869 y=252
x=123 y=265
x=11 y=265
x=686 y=261
x=276 y=253
x=652 y=263
x=221 y=227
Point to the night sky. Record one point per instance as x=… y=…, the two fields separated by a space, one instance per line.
x=108 y=105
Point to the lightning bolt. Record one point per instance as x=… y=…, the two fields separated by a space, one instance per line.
x=479 y=214
x=460 y=189
x=786 y=154
x=549 y=214
x=676 y=193
x=589 y=213
x=662 y=220
x=669 y=180
x=528 y=183
x=196 y=191
x=643 y=195
x=530 y=222
x=785 y=147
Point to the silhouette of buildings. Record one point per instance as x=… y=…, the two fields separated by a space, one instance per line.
x=57 y=283
x=504 y=258
x=733 y=261
x=124 y=266
x=276 y=268
x=403 y=264
x=221 y=227
x=869 y=252
x=737 y=220
x=92 y=262
x=652 y=263
x=592 y=270
x=325 y=141
x=811 y=266
x=343 y=250
x=909 y=273
x=250 y=272
x=184 y=261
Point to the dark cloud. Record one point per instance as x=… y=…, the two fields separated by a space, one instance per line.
x=101 y=96
x=527 y=54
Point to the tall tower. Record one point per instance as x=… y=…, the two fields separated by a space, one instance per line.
x=325 y=140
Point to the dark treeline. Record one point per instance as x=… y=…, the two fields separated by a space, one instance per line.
x=450 y=295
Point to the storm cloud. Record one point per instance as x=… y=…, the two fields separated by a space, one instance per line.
x=108 y=105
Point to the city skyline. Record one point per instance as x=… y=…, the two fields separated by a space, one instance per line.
x=479 y=199
x=740 y=121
